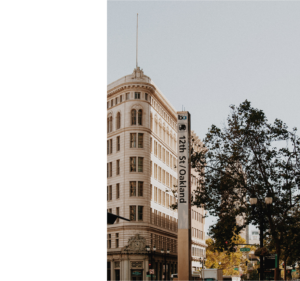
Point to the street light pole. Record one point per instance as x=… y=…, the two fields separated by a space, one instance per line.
x=165 y=261
x=261 y=242
x=151 y=252
x=253 y=202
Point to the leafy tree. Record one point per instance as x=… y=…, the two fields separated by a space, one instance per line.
x=249 y=157
x=225 y=259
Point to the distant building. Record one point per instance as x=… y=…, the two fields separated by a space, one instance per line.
x=254 y=237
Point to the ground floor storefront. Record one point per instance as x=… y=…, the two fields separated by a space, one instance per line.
x=139 y=266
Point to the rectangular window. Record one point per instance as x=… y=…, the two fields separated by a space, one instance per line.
x=155 y=171
x=140 y=140
x=117 y=191
x=110 y=192
x=159 y=151
x=132 y=188
x=111 y=146
x=117 y=213
x=163 y=155
x=151 y=168
x=116 y=101
x=155 y=194
x=146 y=96
x=163 y=176
x=127 y=96
x=121 y=98
x=117 y=240
x=159 y=173
x=151 y=145
x=140 y=213
x=163 y=199
x=118 y=144
x=140 y=188
x=137 y=95
x=140 y=164
x=167 y=200
x=150 y=191
x=155 y=148
x=107 y=147
x=132 y=164
x=132 y=140
x=118 y=167
x=132 y=210
x=167 y=179
x=108 y=104
x=159 y=196
x=110 y=169
x=112 y=103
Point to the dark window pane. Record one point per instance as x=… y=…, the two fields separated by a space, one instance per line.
x=140 y=211
x=140 y=113
x=132 y=164
x=132 y=188
x=140 y=191
x=140 y=140
x=132 y=140
x=133 y=117
x=140 y=167
x=132 y=213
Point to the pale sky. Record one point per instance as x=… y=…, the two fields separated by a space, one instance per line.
x=207 y=55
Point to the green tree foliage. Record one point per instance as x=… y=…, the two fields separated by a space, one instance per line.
x=250 y=156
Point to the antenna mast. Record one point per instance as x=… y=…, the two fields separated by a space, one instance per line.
x=137 y=24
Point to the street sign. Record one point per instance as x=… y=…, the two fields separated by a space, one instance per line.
x=236 y=268
x=151 y=271
x=245 y=249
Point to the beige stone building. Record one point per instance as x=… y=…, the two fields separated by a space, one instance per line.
x=141 y=170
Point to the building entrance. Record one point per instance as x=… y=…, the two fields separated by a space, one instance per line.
x=117 y=274
x=136 y=274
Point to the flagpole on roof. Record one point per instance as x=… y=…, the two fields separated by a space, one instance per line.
x=137 y=24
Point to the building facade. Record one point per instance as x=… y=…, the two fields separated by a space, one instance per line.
x=141 y=172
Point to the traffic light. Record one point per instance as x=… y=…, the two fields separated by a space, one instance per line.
x=149 y=265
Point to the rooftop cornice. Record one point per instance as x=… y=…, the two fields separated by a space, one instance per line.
x=131 y=85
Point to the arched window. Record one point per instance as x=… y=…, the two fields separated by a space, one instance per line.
x=133 y=117
x=140 y=114
x=110 y=123
x=118 y=120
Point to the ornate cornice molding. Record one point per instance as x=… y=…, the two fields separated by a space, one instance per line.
x=129 y=86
